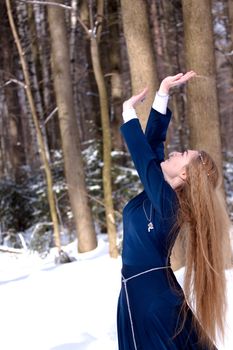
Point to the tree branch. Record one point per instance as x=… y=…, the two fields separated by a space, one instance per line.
x=5 y=249
x=13 y=81
x=51 y=115
x=65 y=7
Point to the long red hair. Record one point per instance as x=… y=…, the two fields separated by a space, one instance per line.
x=205 y=223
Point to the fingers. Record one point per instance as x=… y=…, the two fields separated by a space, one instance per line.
x=187 y=76
x=191 y=73
x=182 y=78
x=141 y=95
x=177 y=76
x=135 y=99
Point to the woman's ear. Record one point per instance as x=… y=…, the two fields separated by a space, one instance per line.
x=183 y=174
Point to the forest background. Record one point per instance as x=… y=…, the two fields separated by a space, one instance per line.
x=66 y=66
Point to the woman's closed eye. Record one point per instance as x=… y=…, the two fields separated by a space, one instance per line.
x=171 y=154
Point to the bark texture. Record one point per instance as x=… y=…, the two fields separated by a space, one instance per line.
x=107 y=145
x=203 y=114
x=44 y=157
x=140 y=53
x=74 y=170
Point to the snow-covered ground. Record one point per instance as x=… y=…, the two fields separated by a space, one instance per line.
x=67 y=307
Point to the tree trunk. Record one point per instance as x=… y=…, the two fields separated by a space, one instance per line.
x=201 y=92
x=29 y=129
x=230 y=11
x=228 y=105
x=41 y=56
x=173 y=58
x=12 y=139
x=106 y=175
x=74 y=170
x=140 y=53
x=156 y=29
x=44 y=158
x=116 y=79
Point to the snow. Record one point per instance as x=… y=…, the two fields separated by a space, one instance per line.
x=67 y=307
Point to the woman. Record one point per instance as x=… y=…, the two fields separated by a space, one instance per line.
x=179 y=193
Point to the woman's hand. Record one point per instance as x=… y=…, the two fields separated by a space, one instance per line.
x=175 y=80
x=135 y=99
x=165 y=86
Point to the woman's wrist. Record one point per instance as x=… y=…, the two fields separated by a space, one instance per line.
x=164 y=88
x=128 y=114
x=161 y=93
x=160 y=102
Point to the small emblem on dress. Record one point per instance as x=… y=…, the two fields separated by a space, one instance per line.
x=150 y=226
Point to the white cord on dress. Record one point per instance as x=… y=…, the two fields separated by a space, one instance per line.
x=125 y=280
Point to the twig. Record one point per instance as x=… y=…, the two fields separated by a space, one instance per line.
x=229 y=53
x=66 y=7
x=102 y=204
x=23 y=242
x=51 y=115
x=52 y=3
x=91 y=16
x=10 y=250
x=14 y=81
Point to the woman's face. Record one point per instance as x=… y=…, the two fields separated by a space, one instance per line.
x=175 y=164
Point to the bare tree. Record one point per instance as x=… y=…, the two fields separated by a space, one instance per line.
x=140 y=52
x=74 y=169
x=230 y=9
x=41 y=144
x=104 y=108
x=201 y=92
x=223 y=46
x=10 y=115
x=115 y=72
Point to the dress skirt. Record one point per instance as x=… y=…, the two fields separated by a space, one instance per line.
x=149 y=313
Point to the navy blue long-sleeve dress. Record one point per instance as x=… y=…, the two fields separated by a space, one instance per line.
x=149 y=306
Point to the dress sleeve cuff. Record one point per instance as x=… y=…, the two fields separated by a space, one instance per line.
x=129 y=114
x=160 y=102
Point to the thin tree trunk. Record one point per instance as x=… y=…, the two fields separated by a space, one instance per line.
x=140 y=53
x=74 y=169
x=104 y=109
x=30 y=138
x=44 y=68
x=230 y=11
x=45 y=161
x=1 y=140
x=12 y=137
x=82 y=85
x=116 y=79
x=4 y=155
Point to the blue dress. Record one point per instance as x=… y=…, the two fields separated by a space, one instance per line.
x=150 y=302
